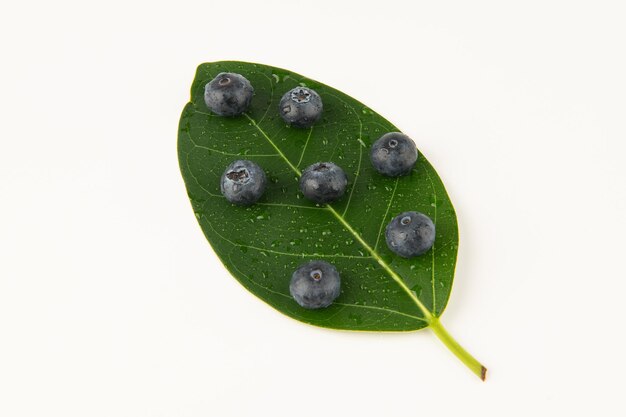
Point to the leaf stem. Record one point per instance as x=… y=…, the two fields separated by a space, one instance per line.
x=454 y=346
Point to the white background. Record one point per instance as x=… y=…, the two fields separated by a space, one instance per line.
x=112 y=303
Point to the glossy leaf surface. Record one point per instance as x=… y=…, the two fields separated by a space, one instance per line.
x=263 y=244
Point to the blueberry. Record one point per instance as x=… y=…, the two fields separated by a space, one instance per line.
x=410 y=234
x=315 y=284
x=243 y=183
x=323 y=182
x=394 y=154
x=301 y=107
x=228 y=94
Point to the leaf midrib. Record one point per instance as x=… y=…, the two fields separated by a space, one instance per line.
x=428 y=316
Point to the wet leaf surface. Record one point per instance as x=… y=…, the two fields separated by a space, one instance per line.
x=263 y=244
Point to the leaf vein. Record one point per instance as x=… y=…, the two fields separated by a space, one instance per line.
x=432 y=186
x=382 y=222
x=228 y=153
x=358 y=169
x=305 y=146
x=298 y=255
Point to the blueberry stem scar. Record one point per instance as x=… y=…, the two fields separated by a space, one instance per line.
x=433 y=321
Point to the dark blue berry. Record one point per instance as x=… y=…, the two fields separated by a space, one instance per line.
x=315 y=284
x=323 y=182
x=301 y=107
x=394 y=154
x=228 y=94
x=410 y=234
x=243 y=182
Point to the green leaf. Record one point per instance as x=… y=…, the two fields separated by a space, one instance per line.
x=263 y=244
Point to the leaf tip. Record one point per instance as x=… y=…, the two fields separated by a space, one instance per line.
x=483 y=372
